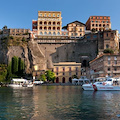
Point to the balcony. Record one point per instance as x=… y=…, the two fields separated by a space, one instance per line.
x=116 y=71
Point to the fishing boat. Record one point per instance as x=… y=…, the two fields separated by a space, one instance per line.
x=20 y=82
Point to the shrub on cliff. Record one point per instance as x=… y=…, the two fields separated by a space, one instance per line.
x=108 y=50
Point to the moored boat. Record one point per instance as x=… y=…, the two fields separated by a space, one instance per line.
x=109 y=84
x=20 y=82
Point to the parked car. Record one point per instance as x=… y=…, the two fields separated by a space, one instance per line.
x=37 y=82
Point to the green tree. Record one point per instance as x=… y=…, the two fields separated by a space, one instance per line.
x=74 y=76
x=42 y=77
x=4 y=27
x=50 y=76
x=14 y=65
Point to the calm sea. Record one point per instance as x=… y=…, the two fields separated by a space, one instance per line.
x=58 y=103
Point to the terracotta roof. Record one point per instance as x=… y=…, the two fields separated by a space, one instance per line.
x=77 y=22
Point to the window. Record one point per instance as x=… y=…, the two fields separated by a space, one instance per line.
x=45 y=33
x=88 y=37
x=80 y=30
x=49 y=15
x=53 y=23
x=115 y=69
x=57 y=73
x=53 y=15
x=76 y=68
x=63 y=69
x=93 y=25
x=76 y=34
x=69 y=73
x=57 y=69
x=58 y=15
x=108 y=69
x=54 y=33
x=107 y=34
x=63 y=73
x=94 y=36
x=115 y=58
x=40 y=14
x=109 y=62
x=96 y=25
x=53 y=28
x=58 y=33
x=41 y=28
x=49 y=33
x=115 y=62
x=107 y=46
x=109 y=58
x=41 y=33
x=45 y=14
x=69 y=69
x=71 y=34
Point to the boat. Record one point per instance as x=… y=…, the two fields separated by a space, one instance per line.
x=110 y=84
x=80 y=81
x=89 y=86
x=20 y=82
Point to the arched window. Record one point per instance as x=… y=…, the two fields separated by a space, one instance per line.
x=45 y=33
x=63 y=80
x=41 y=33
x=45 y=28
x=53 y=23
x=49 y=28
x=58 y=33
x=45 y=22
x=70 y=80
x=54 y=33
x=58 y=23
x=53 y=28
x=57 y=80
x=49 y=23
x=58 y=28
x=40 y=22
x=40 y=27
x=49 y=33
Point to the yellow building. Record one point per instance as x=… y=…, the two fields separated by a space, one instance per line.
x=49 y=23
x=65 y=70
x=76 y=29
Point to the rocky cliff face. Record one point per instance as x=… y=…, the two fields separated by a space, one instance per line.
x=30 y=54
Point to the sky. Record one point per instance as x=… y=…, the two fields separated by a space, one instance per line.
x=20 y=13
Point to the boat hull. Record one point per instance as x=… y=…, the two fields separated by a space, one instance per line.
x=87 y=87
x=106 y=87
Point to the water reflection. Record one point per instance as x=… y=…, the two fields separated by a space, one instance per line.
x=58 y=103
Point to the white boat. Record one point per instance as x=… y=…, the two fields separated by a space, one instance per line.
x=20 y=82
x=90 y=86
x=80 y=81
x=110 y=84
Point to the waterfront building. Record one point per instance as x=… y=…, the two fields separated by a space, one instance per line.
x=98 y=23
x=105 y=65
x=65 y=70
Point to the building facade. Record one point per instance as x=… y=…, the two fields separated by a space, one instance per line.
x=76 y=29
x=16 y=31
x=98 y=23
x=65 y=70
x=49 y=23
x=105 y=65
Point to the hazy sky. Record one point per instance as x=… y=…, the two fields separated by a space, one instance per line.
x=20 y=13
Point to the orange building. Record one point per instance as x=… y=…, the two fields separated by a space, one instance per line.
x=98 y=23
